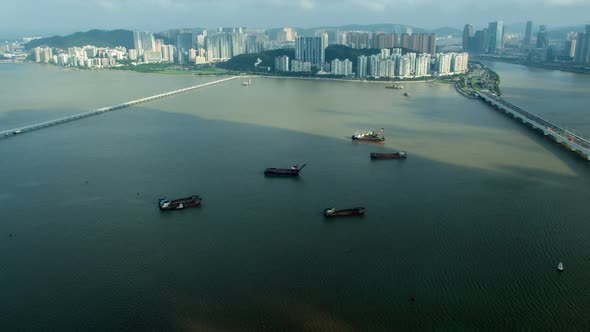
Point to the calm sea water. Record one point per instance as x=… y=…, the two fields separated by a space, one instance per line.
x=471 y=226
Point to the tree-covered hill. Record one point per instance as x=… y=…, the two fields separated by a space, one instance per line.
x=245 y=62
x=100 y=38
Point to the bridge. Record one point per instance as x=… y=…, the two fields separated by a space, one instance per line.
x=570 y=140
x=55 y=122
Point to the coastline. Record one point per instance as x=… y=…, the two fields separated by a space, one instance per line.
x=246 y=75
x=533 y=65
x=343 y=80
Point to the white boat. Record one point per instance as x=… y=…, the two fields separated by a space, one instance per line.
x=560 y=266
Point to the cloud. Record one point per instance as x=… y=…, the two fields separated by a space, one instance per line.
x=567 y=3
x=30 y=16
x=306 y=4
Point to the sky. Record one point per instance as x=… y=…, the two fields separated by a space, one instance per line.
x=20 y=18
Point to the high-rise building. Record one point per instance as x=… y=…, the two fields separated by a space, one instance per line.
x=361 y=67
x=326 y=39
x=255 y=43
x=143 y=40
x=282 y=63
x=412 y=57
x=528 y=33
x=570 y=46
x=300 y=66
x=404 y=68
x=185 y=40
x=582 y=55
x=239 y=43
x=459 y=62
x=37 y=54
x=420 y=42
x=286 y=35
x=468 y=34
x=358 y=39
x=443 y=63
x=422 y=65
x=310 y=49
x=496 y=37
x=385 y=40
x=480 y=41
x=431 y=44
x=542 y=37
x=341 y=67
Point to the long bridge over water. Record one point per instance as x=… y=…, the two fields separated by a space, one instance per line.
x=572 y=141
x=70 y=118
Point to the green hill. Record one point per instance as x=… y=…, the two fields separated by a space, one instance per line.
x=100 y=38
x=245 y=62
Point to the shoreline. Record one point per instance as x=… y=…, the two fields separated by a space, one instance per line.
x=532 y=65
x=198 y=73
x=342 y=80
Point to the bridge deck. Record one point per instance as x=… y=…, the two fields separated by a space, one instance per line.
x=29 y=128
x=564 y=136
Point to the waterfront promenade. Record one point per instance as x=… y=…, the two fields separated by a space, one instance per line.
x=50 y=123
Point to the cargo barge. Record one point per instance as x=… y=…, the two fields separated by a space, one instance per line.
x=369 y=136
x=395 y=155
x=332 y=212
x=181 y=203
x=293 y=171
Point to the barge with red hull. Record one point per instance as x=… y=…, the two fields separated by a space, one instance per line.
x=332 y=212
x=395 y=155
x=293 y=171
x=369 y=136
x=180 y=203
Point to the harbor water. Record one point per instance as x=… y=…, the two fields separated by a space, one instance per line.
x=464 y=234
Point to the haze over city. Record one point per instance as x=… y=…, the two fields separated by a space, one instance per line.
x=67 y=16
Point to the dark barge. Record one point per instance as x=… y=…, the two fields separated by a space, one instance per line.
x=293 y=171
x=181 y=203
x=395 y=155
x=331 y=212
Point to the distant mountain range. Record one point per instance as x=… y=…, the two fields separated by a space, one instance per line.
x=114 y=38
x=387 y=28
x=100 y=38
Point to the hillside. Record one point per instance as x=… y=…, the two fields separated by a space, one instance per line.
x=100 y=38
x=245 y=62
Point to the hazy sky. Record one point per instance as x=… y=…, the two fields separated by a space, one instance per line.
x=43 y=17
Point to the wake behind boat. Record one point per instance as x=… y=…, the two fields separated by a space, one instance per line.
x=180 y=203
x=369 y=136
x=293 y=171
x=332 y=212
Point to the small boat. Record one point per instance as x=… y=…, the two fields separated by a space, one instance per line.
x=406 y=94
x=560 y=266
x=293 y=171
x=179 y=204
x=369 y=136
x=395 y=155
x=332 y=212
x=396 y=87
x=247 y=83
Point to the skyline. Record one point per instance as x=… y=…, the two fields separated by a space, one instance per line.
x=29 y=17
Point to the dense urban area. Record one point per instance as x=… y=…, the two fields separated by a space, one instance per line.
x=394 y=53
